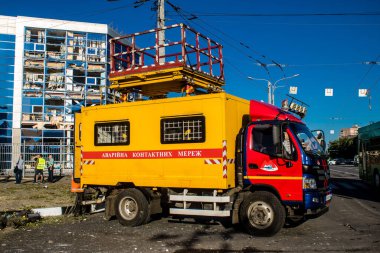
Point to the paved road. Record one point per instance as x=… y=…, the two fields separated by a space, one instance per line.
x=344 y=171
x=351 y=225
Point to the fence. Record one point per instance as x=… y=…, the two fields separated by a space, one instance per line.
x=62 y=154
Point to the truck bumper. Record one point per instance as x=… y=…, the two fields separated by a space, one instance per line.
x=317 y=202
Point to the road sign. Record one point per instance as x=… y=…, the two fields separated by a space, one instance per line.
x=363 y=92
x=293 y=90
x=329 y=92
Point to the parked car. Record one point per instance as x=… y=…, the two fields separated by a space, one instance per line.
x=337 y=161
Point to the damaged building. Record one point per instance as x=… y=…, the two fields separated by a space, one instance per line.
x=52 y=68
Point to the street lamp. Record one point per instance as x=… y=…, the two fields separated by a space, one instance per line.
x=272 y=87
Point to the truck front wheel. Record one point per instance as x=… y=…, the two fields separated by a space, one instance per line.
x=262 y=214
x=131 y=208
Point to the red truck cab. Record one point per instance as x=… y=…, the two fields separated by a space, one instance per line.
x=282 y=156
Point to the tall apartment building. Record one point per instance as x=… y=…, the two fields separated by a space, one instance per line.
x=7 y=59
x=349 y=132
x=49 y=69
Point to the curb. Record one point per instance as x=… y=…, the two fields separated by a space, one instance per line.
x=43 y=211
x=58 y=211
x=52 y=211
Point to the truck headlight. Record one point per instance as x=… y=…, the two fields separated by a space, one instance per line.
x=309 y=183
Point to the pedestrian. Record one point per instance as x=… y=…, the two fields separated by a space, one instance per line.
x=35 y=159
x=19 y=169
x=41 y=163
x=50 y=166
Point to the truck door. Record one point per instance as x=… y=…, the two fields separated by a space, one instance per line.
x=277 y=165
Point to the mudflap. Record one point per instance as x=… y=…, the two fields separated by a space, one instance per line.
x=110 y=207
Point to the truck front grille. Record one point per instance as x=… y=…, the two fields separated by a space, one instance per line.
x=323 y=174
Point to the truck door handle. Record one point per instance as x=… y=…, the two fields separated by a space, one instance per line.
x=289 y=164
x=253 y=166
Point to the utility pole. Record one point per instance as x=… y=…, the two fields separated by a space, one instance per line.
x=269 y=92
x=160 y=4
x=160 y=25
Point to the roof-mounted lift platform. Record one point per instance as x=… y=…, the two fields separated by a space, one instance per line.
x=191 y=62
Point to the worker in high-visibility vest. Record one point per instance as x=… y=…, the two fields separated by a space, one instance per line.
x=40 y=166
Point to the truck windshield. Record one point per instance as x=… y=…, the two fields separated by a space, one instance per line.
x=306 y=139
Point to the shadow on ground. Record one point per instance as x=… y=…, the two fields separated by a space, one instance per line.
x=354 y=188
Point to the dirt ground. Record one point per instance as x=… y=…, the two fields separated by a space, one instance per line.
x=28 y=195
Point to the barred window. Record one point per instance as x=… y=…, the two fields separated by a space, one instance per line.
x=109 y=134
x=183 y=130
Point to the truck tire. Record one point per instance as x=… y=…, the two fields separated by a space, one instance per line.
x=131 y=208
x=262 y=214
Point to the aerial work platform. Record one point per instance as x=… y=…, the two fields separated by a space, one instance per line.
x=186 y=62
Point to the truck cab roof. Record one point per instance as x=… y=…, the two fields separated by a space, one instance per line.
x=263 y=111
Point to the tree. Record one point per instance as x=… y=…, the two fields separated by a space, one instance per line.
x=343 y=147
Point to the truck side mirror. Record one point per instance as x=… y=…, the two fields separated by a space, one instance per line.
x=320 y=137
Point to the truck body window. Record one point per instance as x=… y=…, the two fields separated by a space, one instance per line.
x=114 y=133
x=183 y=130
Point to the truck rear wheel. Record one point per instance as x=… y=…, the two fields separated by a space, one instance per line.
x=131 y=208
x=262 y=214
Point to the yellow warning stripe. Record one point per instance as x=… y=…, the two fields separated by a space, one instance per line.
x=273 y=177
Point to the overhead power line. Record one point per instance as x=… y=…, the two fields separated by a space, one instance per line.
x=63 y=22
x=361 y=82
x=369 y=70
x=230 y=14
x=187 y=16
x=319 y=64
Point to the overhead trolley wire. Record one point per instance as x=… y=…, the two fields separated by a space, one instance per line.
x=368 y=71
x=360 y=83
x=184 y=15
x=231 y=14
x=94 y=13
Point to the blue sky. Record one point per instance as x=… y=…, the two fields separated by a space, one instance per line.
x=327 y=51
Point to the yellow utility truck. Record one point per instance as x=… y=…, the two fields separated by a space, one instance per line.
x=205 y=154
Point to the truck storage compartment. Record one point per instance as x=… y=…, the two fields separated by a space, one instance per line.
x=186 y=142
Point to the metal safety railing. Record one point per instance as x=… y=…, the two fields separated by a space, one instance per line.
x=143 y=51
x=62 y=153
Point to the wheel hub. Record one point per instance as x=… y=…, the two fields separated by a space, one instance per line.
x=128 y=208
x=260 y=214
